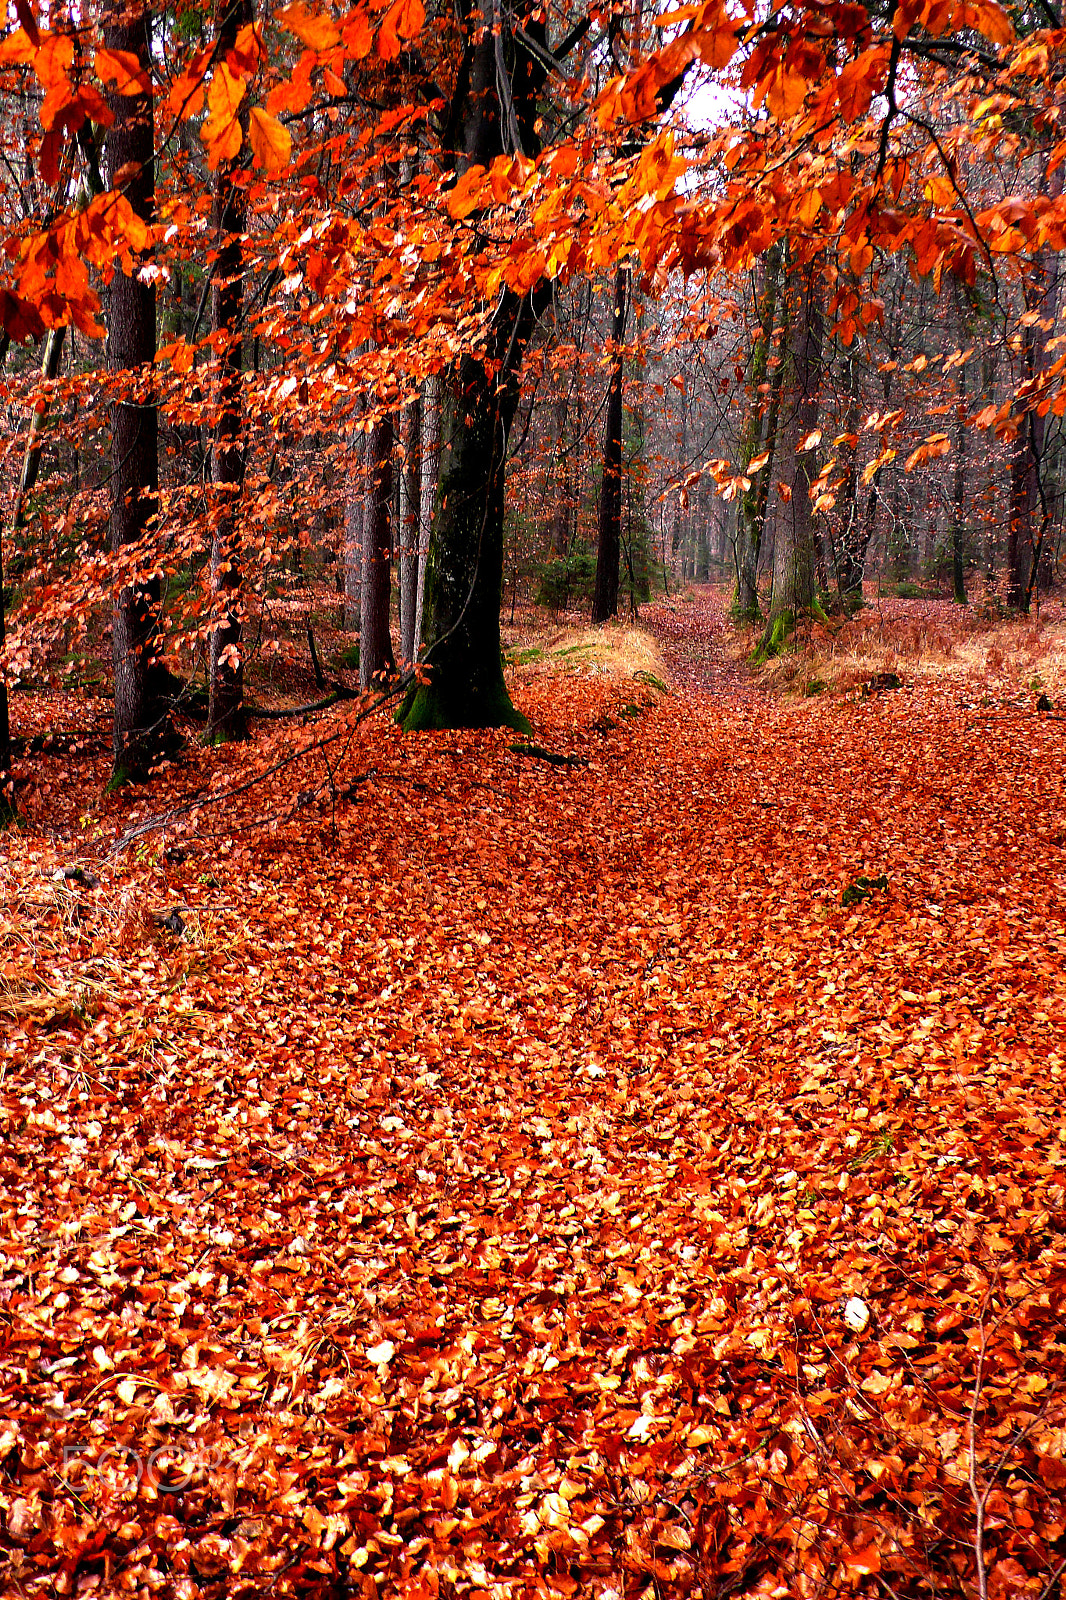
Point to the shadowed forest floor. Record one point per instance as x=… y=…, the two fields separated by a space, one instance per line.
x=464 y=1199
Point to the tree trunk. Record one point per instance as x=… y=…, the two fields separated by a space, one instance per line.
x=31 y=460
x=464 y=579
x=1024 y=457
x=410 y=515
x=375 y=638
x=760 y=438
x=141 y=723
x=494 y=111
x=7 y=781
x=703 y=555
x=559 y=526
x=354 y=513
x=958 y=519
x=794 y=589
x=430 y=476
x=605 y=594
x=1027 y=486
x=854 y=531
x=54 y=342
x=225 y=717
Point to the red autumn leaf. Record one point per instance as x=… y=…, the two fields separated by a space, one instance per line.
x=401 y=22
x=21 y=319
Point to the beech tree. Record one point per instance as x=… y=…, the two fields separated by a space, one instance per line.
x=7 y=782
x=605 y=597
x=141 y=719
x=226 y=718
x=410 y=509
x=375 y=642
x=794 y=584
x=759 y=442
x=493 y=110
x=869 y=143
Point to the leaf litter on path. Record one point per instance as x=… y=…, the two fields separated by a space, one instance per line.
x=469 y=1201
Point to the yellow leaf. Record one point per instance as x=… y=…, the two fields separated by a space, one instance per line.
x=271 y=142
x=940 y=190
x=224 y=95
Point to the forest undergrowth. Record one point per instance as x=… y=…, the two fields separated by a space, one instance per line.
x=439 y=1170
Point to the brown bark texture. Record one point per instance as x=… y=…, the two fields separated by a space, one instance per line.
x=141 y=719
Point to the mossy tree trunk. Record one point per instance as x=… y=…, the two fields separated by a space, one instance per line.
x=794 y=588
x=141 y=723
x=605 y=594
x=494 y=111
x=464 y=581
x=226 y=717
x=760 y=438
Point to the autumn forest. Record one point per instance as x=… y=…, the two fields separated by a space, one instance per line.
x=532 y=801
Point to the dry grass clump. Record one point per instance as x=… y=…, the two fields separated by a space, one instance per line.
x=616 y=651
x=930 y=640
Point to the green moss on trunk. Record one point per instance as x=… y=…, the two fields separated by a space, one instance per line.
x=464 y=581
x=486 y=705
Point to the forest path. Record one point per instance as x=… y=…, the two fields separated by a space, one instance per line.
x=477 y=1180
x=694 y=638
